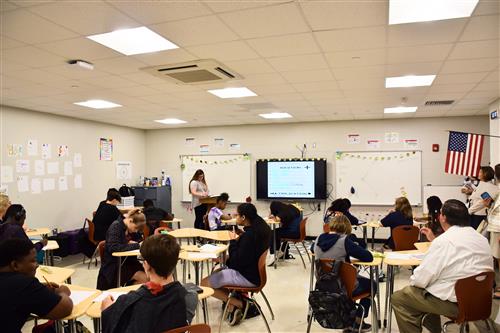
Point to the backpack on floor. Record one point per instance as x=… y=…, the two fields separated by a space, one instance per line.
x=330 y=304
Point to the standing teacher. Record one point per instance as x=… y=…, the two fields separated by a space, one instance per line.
x=198 y=189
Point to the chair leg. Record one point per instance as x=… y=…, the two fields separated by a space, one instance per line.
x=262 y=315
x=91 y=258
x=445 y=325
x=300 y=254
x=267 y=303
x=307 y=252
x=492 y=325
x=224 y=313
x=309 y=322
x=362 y=318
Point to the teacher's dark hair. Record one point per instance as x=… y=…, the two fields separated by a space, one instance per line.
x=456 y=213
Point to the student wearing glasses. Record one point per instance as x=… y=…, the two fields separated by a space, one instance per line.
x=122 y=236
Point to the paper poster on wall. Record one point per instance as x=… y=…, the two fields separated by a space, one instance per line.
x=39 y=168
x=219 y=142
x=14 y=150
x=234 y=146
x=204 y=149
x=68 y=168
x=62 y=183
x=189 y=142
x=49 y=184
x=78 y=181
x=62 y=150
x=106 y=149
x=32 y=147
x=6 y=174
x=123 y=170
x=391 y=137
x=36 y=186
x=373 y=144
x=22 y=166
x=46 y=151
x=52 y=168
x=77 y=160
x=411 y=143
x=4 y=189
x=353 y=139
x=23 y=184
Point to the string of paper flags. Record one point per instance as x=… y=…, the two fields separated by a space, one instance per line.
x=339 y=155
x=200 y=160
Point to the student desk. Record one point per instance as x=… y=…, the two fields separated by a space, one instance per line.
x=37 y=232
x=78 y=309
x=422 y=246
x=191 y=253
x=120 y=255
x=374 y=226
x=54 y=274
x=218 y=235
x=390 y=280
x=125 y=210
x=171 y=222
x=49 y=252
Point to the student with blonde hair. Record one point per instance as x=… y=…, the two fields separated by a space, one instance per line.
x=402 y=214
x=4 y=205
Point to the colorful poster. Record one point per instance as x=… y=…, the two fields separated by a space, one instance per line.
x=62 y=150
x=106 y=149
x=204 y=149
x=32 y=147
x=14 y=150
x=353 y=139
x=46 y=151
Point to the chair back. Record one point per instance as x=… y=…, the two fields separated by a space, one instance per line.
x=198 y=328
x=101 y=246
x=474 y=297
x=405 y=236
x=91 y=231
x=145 y=231
x=303 y=229
x=348 y=274
x=205 y=222
x=160 y=229
x=262 y=270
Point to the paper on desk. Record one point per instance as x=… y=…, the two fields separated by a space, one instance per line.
x=404 y=256
x=78 y=296
x=209 y=248
x=114 y=294
x=201 y=255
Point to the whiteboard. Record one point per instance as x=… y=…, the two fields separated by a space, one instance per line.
x=378 y=178
x=223 y=173
x=444 y=192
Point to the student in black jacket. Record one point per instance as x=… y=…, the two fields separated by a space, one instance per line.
x=154 y=215
x=242 y=265
x=157 y=306
x=106 y=214
x=402 y=214
x=290 y=218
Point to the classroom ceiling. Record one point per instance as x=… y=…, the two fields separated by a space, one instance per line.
x=317 y=60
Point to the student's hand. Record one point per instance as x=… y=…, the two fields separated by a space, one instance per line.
x=233 y=235
x=51 y=285
x=25 y=227
x=107 y=302
x=428 y=233
x=63 y=290
x=487 y=202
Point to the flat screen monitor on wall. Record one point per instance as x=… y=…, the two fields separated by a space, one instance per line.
x=291 y=179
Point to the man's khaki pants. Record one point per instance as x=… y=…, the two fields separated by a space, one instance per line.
x=410 y=305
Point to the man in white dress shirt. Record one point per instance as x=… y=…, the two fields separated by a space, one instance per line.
x=458 y=253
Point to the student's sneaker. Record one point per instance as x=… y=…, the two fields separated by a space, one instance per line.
x=252 y=311
x=235 y=317
x=364 y=327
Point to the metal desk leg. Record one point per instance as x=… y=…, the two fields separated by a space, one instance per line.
x=365 y=234
x=178 y=224
x=119 y=275
x=372 y=300
x=72 y=325
x=274 y=246
x=184 y=272
x=311 y=279
x=197 y=272
x=373 y=238
x=391 y=291
x=387 y=291
x=379 y=318
x=205 y=311
x=52 y=258
x=97 y=325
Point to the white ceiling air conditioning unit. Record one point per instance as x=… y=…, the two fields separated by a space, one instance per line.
x=194 y=72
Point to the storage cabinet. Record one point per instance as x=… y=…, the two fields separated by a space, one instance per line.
x=160 y=195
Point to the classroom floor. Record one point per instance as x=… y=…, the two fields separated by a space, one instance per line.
x=287 y=290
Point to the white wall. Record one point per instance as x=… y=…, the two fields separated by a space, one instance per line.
x=495 y=130
x=66 y=210
x=280 y=140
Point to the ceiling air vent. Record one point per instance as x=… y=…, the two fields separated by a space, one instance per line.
x=194 y=72
x=437 y=103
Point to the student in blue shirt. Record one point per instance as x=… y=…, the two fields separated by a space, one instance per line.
x=401 y=215
x=216 y=213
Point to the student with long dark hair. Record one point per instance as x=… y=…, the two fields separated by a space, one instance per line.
x=198 y=189
x=434 y=205
x=401 y=215
x=289 y=217
x=242 y=265
x=477 y=208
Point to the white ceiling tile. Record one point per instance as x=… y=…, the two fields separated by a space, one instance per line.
x=487 y=86
x=235 y=5
x=263 y=79
x=32 y=57
x=110 y=82
x=85 y=18
x=143 y=78
x=195 y=31
x=326 y=15
x=9 y=43
x=430 y=114
x=9 y=67
x=349 y=73
x=444 y=88
x=227 y=51
x=165 y=57
x=284 y=45
x=445 y=96
x=485 y=7
x=277 y=98
x=481 y=28
x=352 y=39
x=151 y=12
x=316 y=86
x=435 y=32
x=368 y=116
x=459 y=78
x=492 y=77
x=358 y=58
x=79 y=48
x=250 y=66
x=421 y=68
x=461 y=113
x=75 y=73
x=308 y=76
x=29 y=28
x=279 y=20
x=298 y=62
x=119 y=65
x=368 y=83
x=476 y=49
x=469 y=65
x=136 y=91
x=483 y=101
x=38 y=76
x=422 y=53
x=7 y=5
x=323 y=95
x=491 y=94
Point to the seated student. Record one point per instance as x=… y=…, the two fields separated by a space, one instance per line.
x=13 y=227
x=352 y=219
x=434 y=205
x=458 y=253
x=154 y=215
x=159 y=305
x=401 y=215
x=22 y=294
x=337 y=207
x=216 y=213
x=106 y=214
x=338 y=245
x=290 y=218
x=242 y=265
x=122 y=236
x=4 y=204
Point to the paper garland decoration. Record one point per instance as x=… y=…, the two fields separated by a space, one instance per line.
x=339 y=155
x=198 y=159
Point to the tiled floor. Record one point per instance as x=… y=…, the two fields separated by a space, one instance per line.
x=287 y=290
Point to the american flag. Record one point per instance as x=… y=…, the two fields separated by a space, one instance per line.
x=464 y=154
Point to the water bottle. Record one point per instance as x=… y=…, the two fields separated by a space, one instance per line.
x=168 y=183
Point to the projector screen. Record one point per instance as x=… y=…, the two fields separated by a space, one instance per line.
x=291 y=179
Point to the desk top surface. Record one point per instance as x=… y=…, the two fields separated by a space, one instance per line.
x=404 y=262
x=53 y=274
x=80 y=309
x=37 y=232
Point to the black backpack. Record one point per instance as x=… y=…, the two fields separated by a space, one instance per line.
x=331 y=307
x=126 y=191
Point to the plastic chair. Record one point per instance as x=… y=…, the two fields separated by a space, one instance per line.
x=233 y=290
x=198 y=328
x=145 y=231
x=101 y=247
x=160 y=229
x=300 y=240
x=404 y=237
x=93 y=241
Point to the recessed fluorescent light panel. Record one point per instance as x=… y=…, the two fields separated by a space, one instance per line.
x=401 y=109
x=410 y=11
x=134 y=41
x=275 y=115
x=409 y=81
x=98 y=104
x=232 y=92
x=171 y=121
